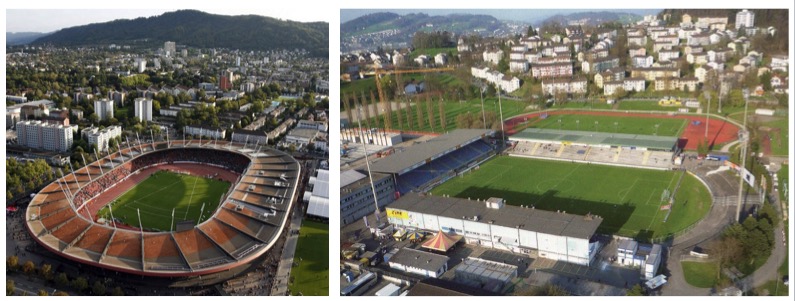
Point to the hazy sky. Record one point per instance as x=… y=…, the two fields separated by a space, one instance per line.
x=526 y=15
x=48 y=20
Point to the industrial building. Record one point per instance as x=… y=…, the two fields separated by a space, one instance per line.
x=356 y=194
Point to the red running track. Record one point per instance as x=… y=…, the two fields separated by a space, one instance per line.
x=95 y=204
x=720 y=131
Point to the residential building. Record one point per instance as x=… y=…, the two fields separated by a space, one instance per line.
x=599 y=65
x=779 y=63
x=143 y=109
x=101 y=138
x=301 y=137
x=492 y=56
x=440 y=59
x=628 y=85
x=170 y=48
x=642 y=61
x=519 y=66
x=616 y=74
x=568 y=86
x=248 y=136
x=39 y=135
x=653 y=73
x=687 y=84
x=668 y=55
x=205 y=132
x=311 y=124
x=745 y=18
x=103 y=108
x=552 y=70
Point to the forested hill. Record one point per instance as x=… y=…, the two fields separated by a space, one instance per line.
x=199 y=29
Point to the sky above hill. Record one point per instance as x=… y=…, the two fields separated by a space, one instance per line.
x=524 y=15
x=49 y=20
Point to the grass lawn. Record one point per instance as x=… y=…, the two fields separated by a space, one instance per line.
x=311 y=254
x=596 y=104
x=642 y=105
x=163 y=192
x=779 y=140
x=701 y=274
x=452 y=110
x=628 y=199
x=626 y=125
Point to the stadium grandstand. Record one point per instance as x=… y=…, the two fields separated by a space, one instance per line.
x=63 y=218
x=656 y=152
x=427 y=164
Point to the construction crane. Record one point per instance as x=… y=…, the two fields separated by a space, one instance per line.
x=380 y=72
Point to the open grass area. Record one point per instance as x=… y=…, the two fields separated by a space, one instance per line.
x=163 y=192
x=643 y=105
x=628 y=199
x=625 y=125
x=452 y=110
x=779 y=138
x=701 y=274
x=310 y=276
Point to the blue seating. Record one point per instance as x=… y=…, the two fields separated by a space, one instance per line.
x=439 y=167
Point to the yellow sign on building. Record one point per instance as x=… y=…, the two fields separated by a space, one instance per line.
x=399 y=214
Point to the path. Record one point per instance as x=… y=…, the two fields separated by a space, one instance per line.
x=286 y=263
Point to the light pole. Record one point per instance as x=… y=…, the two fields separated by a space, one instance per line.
x=656 y=127
x=560 y=125
x=615 y=124
x=502 y=123
x=578 y=124
x=597 y=125
x=706 y=128
x=744 y=149
x=482 y=107
x=369 y=173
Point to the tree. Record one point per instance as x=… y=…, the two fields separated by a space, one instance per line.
x=61 y=293
x=42 y=293
x=94 y=118
x=98 y=288
x=117 y=291
x=80 y=284
x=530 y=31
x=28 y=268
x=46 y=271
x=636 y=290
x=62 y=280
x=12 y=263
x=10 y=287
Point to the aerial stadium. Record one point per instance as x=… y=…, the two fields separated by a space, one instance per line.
x=190 y=212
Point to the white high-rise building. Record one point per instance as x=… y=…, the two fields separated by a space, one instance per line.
x=103 y=108
x=744 y=18
x=101 y=138
x=141 y=65
x=143 y=109
x=53 y=137
x=170 y=48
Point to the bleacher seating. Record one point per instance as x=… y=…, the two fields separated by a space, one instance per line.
x=444 y=165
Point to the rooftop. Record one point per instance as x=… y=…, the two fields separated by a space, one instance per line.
x=417 y=155
x=555 y=223
x=419 y=259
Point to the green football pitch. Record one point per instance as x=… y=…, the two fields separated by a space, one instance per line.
x=628 y=199
x=613 y=124
x=163 y=192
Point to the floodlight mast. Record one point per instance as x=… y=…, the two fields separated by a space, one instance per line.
x=367 y=161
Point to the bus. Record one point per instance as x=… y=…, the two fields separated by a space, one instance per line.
x=360 y=285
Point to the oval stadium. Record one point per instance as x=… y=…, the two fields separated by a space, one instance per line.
x=193 y=212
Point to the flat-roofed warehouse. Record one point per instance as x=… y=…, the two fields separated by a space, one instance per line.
x=491 y=223
x=598 y=139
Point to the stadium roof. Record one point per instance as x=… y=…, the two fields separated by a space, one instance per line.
x=597 y=138
x=416 y=155
x=349 y=177
x=561 y=224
